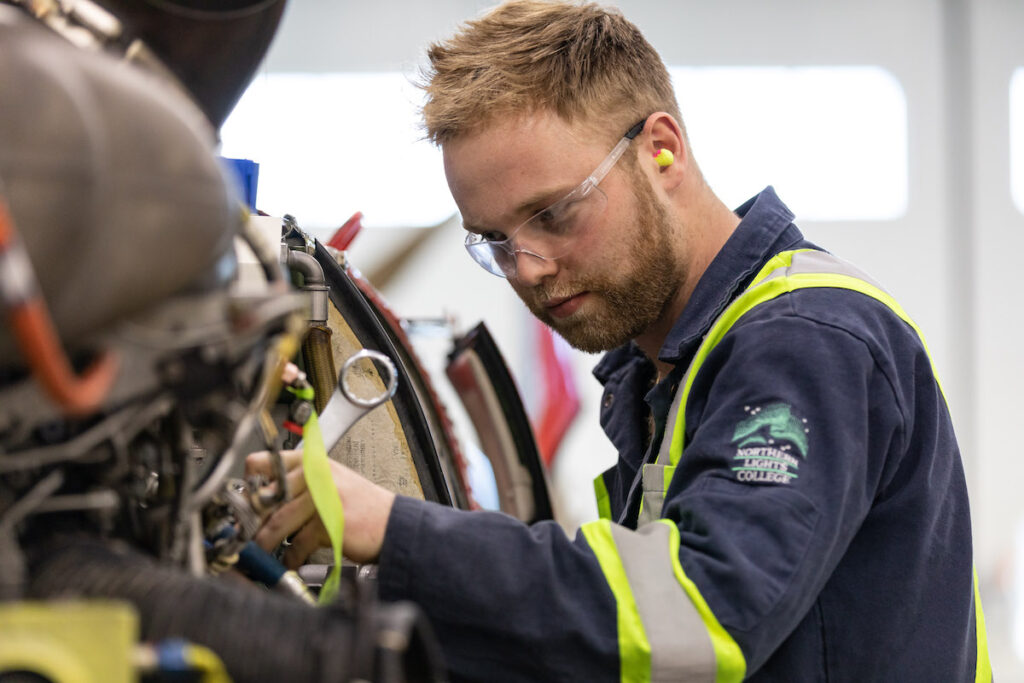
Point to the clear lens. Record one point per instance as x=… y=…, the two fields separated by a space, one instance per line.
x=548 y=234
x=486 y=254
x=551 y=233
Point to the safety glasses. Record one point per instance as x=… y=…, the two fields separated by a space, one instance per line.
x=550 y=233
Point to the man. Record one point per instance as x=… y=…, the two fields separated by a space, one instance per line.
x=789 y=502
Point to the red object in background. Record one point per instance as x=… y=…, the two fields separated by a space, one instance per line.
x=344 y=235
x=560 y=402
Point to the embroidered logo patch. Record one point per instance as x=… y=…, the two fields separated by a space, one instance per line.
x=767 y=441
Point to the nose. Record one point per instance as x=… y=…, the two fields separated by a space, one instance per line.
x=532 y=268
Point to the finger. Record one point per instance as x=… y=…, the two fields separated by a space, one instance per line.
x=296 y=482
x=292 y=459
x=285 y=521
x=262 y=463
x=258 y=464
x=290 y=373
x=311 y=537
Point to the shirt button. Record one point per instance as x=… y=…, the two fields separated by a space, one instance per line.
x=608 y=400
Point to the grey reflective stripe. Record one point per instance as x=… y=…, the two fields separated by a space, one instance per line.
x=670 y=424
x=820 y=262
x=653 y=485
x=653 y=491
x=681 y=648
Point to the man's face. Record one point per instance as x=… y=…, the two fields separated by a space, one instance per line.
x=620 y=272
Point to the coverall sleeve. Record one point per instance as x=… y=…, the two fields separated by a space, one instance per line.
x=793 y=429
x=509 y=602
x=708 y=592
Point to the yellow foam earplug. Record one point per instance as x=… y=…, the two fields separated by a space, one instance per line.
x=664 y=157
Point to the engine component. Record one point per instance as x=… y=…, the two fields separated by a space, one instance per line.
x=481 y=378
x=177 y=39
x=319 y=362
x=433 y=448
x=125 y=156
x=346 y=406
x=313 y=281
x=129 y=222
x=82 y=641
x=259 y=636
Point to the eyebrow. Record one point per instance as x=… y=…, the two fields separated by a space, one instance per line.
x=534 y=204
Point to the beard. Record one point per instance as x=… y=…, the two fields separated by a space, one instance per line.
x=620 y=307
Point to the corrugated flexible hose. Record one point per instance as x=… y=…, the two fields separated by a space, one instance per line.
x=319 y=360
x=259 y=636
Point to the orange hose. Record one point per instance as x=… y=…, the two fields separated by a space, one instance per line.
x=41 y=349
x=6 y=226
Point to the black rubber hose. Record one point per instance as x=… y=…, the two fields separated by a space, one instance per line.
x=258 y=635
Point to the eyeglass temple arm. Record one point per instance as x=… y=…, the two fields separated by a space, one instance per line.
x=601 y=171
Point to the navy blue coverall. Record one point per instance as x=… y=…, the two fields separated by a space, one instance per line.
x=809 y=523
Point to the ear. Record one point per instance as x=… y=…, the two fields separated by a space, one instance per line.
x=667 y=167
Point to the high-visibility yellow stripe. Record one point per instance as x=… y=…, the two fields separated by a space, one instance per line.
x=983 y=669
x=604 y=503
x=758 y=295
x=634 y=648
x=667 y=475
x=730 y=665
x=804 y=280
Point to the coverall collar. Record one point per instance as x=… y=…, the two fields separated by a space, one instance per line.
x=765 y=229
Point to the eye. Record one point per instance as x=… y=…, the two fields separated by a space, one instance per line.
x=558 y=218
x=485 y=237
x=492 y=236
x=548 y=215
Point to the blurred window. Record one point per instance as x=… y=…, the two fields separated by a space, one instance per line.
x=331 y=144
x=832 y=140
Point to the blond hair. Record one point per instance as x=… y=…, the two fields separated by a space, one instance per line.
x=581 y=61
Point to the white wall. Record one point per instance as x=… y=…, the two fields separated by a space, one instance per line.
x=995 y=230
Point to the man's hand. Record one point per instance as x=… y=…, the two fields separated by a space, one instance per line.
x=367 y=507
